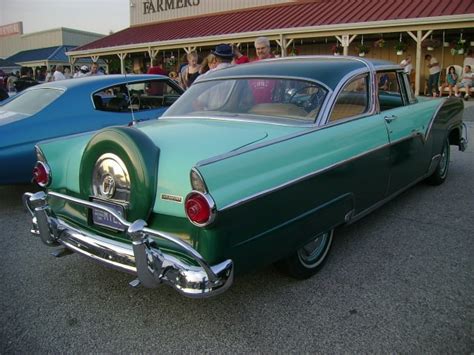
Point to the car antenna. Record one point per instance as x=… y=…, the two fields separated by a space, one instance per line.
x=134 y=121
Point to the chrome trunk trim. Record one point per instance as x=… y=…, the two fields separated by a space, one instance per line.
x=142 y=258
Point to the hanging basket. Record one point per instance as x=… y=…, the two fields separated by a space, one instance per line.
x=362 y=54
x=460 y=51
x=430 y=48
x=399 y=52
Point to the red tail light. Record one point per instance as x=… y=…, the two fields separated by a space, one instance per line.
x=41 y=174
x=199 y=208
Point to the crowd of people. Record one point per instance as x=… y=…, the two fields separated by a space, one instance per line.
x=223 y=56
x=452 y=81
x=26 y=77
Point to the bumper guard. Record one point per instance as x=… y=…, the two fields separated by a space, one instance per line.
x=142 y=258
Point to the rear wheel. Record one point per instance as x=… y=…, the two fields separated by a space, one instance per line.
x=441 y=172
x=309 y=259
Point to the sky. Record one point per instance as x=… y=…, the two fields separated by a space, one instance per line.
x=100 y=16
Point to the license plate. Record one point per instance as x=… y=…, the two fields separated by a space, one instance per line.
x=105 y=219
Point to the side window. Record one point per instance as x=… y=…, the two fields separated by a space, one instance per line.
x=353 y=100
x=146 y=95
x=389 y=93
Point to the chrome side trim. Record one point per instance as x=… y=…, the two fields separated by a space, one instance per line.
x=302 y=178
x=252 y=120
x=143 y=257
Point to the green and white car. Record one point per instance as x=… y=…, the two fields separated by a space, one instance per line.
x=255 y=164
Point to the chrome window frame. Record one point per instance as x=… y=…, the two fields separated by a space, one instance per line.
x=340 y=89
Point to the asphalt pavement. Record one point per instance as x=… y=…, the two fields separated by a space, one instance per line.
x=400 y=280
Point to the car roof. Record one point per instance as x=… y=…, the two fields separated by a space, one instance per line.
x=97 y=82
x=327 y=69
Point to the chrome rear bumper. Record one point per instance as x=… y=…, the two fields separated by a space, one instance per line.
x=142 y=257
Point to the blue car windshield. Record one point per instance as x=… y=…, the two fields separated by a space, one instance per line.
x=268 y=99
x=32 y=101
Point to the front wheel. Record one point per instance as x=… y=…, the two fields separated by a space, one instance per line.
x=441 y=172
x=309 y=259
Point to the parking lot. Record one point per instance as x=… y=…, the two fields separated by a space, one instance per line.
x=399 y=280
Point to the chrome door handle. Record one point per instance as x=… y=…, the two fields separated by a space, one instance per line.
x=390 y=118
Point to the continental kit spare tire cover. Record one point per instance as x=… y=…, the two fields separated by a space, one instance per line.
x=140 y=156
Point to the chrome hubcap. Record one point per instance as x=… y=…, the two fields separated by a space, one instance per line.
x=443 y=164
x=313 y=253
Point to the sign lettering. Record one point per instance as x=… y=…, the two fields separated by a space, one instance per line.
x=153 y=6
x=11 y=29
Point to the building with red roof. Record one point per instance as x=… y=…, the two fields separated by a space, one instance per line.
x=173 y=27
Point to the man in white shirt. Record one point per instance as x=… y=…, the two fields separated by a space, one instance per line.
x=58 y=73
x=406 y=64
x=433 y=80
x=469 y=60
x=465 y=83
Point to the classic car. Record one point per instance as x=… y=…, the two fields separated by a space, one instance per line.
x=255 y=164
x=73 y=106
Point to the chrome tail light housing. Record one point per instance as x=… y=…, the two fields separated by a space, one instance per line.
x=200 y=208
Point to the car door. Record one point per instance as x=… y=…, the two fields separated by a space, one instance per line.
x=406 y=127
x=362 y=137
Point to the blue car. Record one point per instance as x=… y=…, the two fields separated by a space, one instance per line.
x=74 y=106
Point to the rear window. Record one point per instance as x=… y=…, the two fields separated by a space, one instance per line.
x=269 y=99
x=31 y=102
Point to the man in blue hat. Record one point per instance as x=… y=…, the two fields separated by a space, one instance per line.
x=223 y=57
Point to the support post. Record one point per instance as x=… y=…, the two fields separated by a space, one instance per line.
x=283 y=44
x=418 y=39
x=153 y=52
x=189 y=49
x=345 y=41
x=122 y=57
